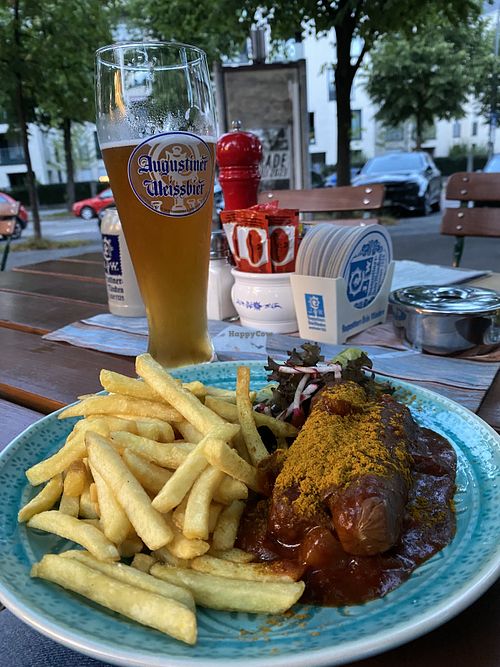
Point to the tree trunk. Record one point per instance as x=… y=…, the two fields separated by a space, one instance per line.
x=344 y=74
x=23 y=125
x=418 y=132
x=68 y=155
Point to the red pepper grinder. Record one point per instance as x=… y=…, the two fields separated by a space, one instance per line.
x=239 y=155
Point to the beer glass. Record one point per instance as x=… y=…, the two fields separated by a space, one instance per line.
x=156 y=128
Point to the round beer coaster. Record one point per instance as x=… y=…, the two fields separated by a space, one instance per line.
x=319 y=245
x=332 y=246
x=342 y=248
x=364 y=268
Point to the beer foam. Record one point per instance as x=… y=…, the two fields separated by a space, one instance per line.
x=136 y=142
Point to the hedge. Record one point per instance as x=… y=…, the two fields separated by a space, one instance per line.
x=55 y=193
x=450 y=165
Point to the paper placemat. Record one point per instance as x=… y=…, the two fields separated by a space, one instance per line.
x=408 y=273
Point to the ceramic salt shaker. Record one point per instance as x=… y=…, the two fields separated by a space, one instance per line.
x=220 y=279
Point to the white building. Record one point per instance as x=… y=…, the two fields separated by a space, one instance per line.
x=47 y=156
x=369 y=137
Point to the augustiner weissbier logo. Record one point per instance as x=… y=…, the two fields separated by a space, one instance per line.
x=171 y=173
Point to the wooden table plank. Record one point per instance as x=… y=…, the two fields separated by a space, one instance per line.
x=40 y=314
x=44 y=376
x=67 y=288
x=86 y=271
x=95 y=257
x=490 y=282
x=14 y=419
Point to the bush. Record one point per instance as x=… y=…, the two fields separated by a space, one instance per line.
x=55 y=193
x=449 y=165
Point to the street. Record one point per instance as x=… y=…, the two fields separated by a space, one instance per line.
x=413 y=238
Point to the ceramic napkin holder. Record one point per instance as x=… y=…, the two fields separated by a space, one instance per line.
x=324 y=312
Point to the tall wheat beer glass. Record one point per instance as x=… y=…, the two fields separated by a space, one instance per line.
x=156 y=128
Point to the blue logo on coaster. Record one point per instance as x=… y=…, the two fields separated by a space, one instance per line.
x=366 y=267
x=111 y=251
x=315 y=310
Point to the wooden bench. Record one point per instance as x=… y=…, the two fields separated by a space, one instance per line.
x=479 y=210
x=367 y=199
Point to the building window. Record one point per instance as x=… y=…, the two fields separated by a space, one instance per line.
x=456 y=129
x=330 y=82
x=312 y=133
x=474 y=128
x=356 y=125
x=395 y=133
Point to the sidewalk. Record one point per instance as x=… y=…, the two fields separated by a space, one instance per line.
x=24 y=257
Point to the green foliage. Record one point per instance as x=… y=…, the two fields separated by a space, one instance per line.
x=216 y=26
x=450 y=165
x=485 y=73
x=53 y=56
x=425 y=75
x=462 y=150
x=72 y=31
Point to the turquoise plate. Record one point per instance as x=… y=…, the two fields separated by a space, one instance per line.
x=438 y=590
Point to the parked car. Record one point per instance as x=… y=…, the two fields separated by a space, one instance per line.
x=331 y=180
x=90 y=208
x=218 y=204
x=493 y=165
x=412 y=180
x=16 y=209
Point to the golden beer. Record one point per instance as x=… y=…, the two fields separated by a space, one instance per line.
x=168 y=237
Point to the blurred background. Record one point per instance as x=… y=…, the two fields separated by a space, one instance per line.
x=350 y=91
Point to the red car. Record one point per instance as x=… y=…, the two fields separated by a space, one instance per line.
x=10 y=207
x=89 y=208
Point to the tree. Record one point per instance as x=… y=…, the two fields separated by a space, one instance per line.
x=485 y=73
x=70 y=40
x=46 y=68
x=219 y=26
x=425 y=75
x=368 y=20
x=20 y=73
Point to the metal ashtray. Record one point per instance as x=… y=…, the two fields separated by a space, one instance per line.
x=443 y=320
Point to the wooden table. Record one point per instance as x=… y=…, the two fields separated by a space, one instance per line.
x=39 y=376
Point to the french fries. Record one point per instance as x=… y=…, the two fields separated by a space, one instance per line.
x=233 y=594
x=190 y=407
x=44 y=500
x=196 y=517
x=229 y=412
x=251 y=437
x=127 y=486
x=226 y=529
x=167 y=455
x=115 y=404
x=147 y=522
x=152 y=609
x=222 y=567
x=226 y=459
x=78 y=531
x=133 y=576
x=181 y=481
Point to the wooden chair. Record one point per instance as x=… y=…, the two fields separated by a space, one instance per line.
x=348 y=199
x=7 y=226
x=479 y=210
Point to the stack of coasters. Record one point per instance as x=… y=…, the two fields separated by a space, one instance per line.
x=342 y=280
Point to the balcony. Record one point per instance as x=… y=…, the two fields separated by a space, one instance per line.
x=11 y=155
